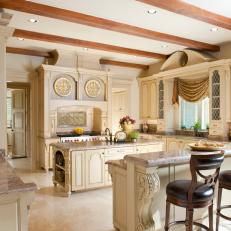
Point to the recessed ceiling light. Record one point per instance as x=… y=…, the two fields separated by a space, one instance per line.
x=214 y=29
x=134 y=56
x=20 y=39
x=32 y=20
x=152 y=11
x=164 y=46
x=85 y=48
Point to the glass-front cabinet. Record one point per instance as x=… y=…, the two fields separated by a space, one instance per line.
x=161 y=106
x=218 y=106
x=215 y=95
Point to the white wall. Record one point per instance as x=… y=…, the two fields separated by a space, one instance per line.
x=225 y=51
x=18 y=67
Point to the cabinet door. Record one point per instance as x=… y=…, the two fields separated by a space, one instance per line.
x=94 y=168
x=173 y=145
x=144 y=111
x=152 y=100
x=77 y=170
x=184 y=144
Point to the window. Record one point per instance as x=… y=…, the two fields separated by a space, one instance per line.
x=193 y=112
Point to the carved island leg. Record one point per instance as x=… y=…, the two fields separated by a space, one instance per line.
x=67 y=158
x=147 y=184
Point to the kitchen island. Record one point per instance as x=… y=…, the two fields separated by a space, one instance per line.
x=139 y=183
x=80 y=166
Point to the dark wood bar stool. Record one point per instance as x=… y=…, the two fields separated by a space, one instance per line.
x=224 y=183
x=195 y=193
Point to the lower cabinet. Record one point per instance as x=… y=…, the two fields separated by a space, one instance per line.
x=95 y=168
x=115 y=154
x=176 y=144
x=78 y=170
x=149 y=148
x=88 y=169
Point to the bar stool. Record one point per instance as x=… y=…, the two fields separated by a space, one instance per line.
x=224 y=183
x=193 y=194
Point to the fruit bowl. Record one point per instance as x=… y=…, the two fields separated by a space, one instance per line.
x=203 y=145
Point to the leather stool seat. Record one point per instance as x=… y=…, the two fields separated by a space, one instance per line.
x=224 y=183
x=179 y=189
x=225 y=178
x=195 y=193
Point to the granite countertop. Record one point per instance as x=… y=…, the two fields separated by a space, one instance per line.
x=158 y=159
x=101 y=144
x=9 y=181
x=184 y=137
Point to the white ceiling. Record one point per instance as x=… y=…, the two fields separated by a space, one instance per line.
x=126 y=11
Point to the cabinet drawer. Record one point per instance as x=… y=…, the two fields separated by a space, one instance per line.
x=149 y=148
x=216 y=125
x=215 y=132
x=120 y=151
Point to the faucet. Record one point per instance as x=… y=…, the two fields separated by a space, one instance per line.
x=107 y=130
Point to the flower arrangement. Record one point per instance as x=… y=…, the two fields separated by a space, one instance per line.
x=127 y=120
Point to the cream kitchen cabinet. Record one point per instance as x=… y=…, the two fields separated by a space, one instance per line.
x=86 y=169
x=173 y=144
x=176 y=144
x=94 y=168
x=115 y=154
x=148 y=105
x=77 y=170
x=149 y=148
x=45 y=152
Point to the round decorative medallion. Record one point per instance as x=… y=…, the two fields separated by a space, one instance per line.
x=93 y=88
x=63 y=86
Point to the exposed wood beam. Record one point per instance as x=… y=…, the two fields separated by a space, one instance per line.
x=123 y=64
x=75 y=17
x=23 y=51
x=191 y=11
x=82 y=43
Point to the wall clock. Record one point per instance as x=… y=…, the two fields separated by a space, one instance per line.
x=93 y=88
x=63 y=87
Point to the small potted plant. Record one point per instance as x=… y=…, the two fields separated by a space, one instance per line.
x=197 y=127
x=134 y=136
x=127 y=123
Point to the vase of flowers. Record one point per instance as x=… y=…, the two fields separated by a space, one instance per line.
x=127 y=123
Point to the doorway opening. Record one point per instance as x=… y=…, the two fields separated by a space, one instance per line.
x=119 y=107
x=18 y=120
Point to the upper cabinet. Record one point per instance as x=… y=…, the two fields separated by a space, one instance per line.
x=148 y=100
x=219 y=87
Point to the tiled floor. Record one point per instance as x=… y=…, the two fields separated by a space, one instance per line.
x=51 y=211
x=87 y=211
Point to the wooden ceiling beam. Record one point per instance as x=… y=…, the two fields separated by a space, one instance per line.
x=82 y=43
x=123 y=64
x=191 y=11
x=22 y=51
x=75 y=17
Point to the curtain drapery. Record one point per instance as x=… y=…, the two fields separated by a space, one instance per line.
x=190 y=90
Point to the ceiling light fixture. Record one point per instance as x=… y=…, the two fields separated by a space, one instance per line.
x=152 y=11
x=214 y=29
x=32 y=20
x=164 y=46
x=85 y=48
x=20 y=39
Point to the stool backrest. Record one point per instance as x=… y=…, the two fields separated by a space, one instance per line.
x=201 y=162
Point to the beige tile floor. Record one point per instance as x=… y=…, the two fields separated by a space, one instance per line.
x=87 y=211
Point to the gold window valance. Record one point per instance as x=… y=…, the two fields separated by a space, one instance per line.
x=190 y=90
